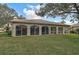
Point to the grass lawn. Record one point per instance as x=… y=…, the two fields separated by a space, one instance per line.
x=39 y=45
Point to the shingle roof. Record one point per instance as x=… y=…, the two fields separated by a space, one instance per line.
x=39 y=21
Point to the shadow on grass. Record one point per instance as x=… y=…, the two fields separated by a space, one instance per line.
x=4 y=34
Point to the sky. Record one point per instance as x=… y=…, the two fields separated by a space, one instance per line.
x=28 y=11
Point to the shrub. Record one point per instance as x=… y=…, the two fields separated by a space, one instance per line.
x=77 y=31
x=74 y=32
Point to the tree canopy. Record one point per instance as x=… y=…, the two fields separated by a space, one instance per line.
x=60 y=9
x=7 y=14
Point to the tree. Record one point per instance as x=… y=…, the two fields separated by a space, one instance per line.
x=6 y=14
x=62 y=10
x=63 y=22
x=21 y=17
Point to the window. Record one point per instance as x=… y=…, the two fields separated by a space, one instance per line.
x=53 y=30
x=45 y=30
x=66 y=30
x=34 y=30
x=21 y=30
x=60 y=30
x=18 y=30
x=24 y=30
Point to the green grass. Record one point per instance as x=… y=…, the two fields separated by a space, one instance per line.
x=39 y=45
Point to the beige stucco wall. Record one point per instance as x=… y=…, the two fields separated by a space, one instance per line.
x=13 y=28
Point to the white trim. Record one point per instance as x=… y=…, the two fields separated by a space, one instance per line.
x=57 y=30
x=40 y=30
x=28 y=30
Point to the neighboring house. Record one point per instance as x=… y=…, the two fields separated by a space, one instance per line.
x=75 y=26
x=20 y=27
x=2 y=30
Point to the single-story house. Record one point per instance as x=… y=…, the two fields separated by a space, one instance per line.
x=22 y=27
x=2 y=30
